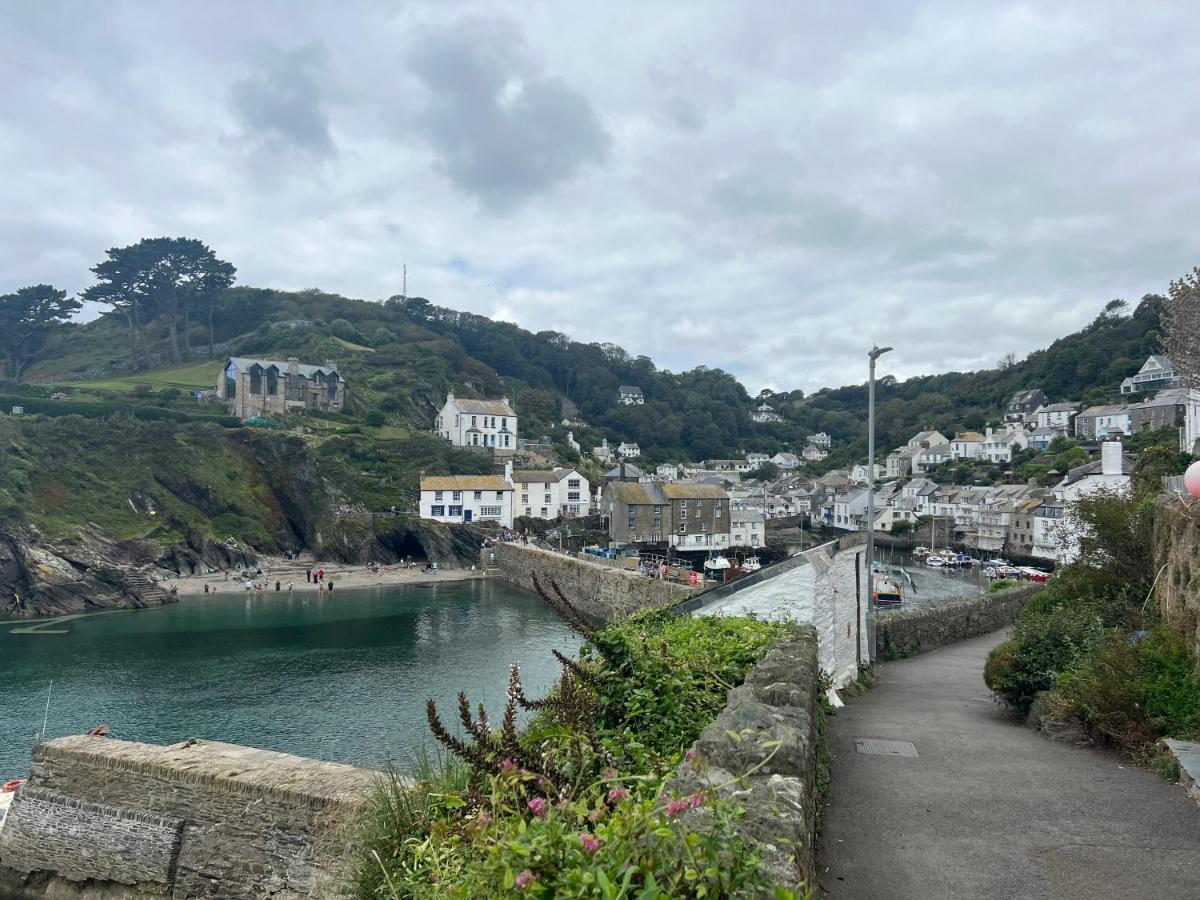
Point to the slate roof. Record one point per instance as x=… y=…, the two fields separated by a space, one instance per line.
x=532 y=477
x=243 y=363
x=630 y=389
x=693 y=491
x=484 y=407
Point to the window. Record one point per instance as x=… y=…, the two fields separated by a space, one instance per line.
x=682 y=528
x=546 y=498
x=683 y=505
x=573 y=483
x=457 y=495
x=489 y=512
x=658 y=510
x=479 y=495
x=504 y=423
x=528 y=511
x=437 y=495
x=632 y=522
x=506 y=440
x=545 y=512
x=437 y=510
x=456 y=510
x=255 y=380
x=524 y=498
x=473 y=421
x=499 y=495
x=573 y=495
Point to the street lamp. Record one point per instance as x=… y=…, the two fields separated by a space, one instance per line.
x=873 y=355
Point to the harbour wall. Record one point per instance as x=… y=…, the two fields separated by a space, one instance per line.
x=108 y=819
x=768 y=732
x=598 y=591
x=907 y=632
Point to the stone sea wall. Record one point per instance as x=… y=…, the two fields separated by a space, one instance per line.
x=109 y=819
x=768 y=732
x=1177 y=547
x=601 y=592
x=907 y=632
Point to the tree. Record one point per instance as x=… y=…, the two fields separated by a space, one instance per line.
x=27 y=318
x=767 y=471
x=170 y=277
x=1182 y=320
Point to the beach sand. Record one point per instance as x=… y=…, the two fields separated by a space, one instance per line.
x=290 y=572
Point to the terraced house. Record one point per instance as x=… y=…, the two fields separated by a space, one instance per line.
x=467 y=498
x=266 y=387
x=549 y=494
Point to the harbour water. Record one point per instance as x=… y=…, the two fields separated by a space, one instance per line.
x=343 y=676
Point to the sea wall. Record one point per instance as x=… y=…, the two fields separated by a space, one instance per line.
x=1177 y=548
x=907 y=632
x=769 y=733
x=601 y=592
x=102 y=818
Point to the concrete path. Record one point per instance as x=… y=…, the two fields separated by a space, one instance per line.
x=987 y=808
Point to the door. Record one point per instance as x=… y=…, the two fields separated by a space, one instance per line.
x=467 y=515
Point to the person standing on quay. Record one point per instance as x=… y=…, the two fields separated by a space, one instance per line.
x=308 y=576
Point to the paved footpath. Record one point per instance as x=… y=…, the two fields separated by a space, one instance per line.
x=988 y=808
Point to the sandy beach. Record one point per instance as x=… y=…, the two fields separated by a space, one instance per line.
x=290 y=575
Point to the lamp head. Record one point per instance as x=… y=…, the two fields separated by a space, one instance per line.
x=877 y=352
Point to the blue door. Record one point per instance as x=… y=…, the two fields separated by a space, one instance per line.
x=466 y=515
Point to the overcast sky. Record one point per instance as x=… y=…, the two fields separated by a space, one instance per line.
x=763 y=187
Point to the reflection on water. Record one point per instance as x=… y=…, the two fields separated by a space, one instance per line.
x=344 y=676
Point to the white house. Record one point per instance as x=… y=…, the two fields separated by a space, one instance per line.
x=1189 y=431
x=813 y=453
x=478 y=423
x=1101 y=421
x=549 y=494
x=629 y=451
x=572 y=443
x=467 y=498
x=967 y=445
x=766 y=413
x=849 y=510
x=1056 y=415
x=786 y=461
x=821 y=439
x=1156 y=372
x=630 y=395
x=1110 y=473
x=926 y=458
x=859 y=473
x=667 y=472
x=747 y=529
x=999 y=446
x=603 y=453
x=1047 y=528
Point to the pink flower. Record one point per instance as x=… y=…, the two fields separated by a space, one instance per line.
x=690 y=755
x=676 y=808
x=523 y=880
x=507 y=764
x=695 y=801
x=595 y=815
x=590 y=843
x=538 y=806
x=617 y=794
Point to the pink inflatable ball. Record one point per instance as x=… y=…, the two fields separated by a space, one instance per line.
x=1191 y=479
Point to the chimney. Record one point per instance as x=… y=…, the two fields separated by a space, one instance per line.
x=987 y=435
x=331 y=364
x=293 y=366
x=1110 y=458
x=508 y=471
x=449 y=396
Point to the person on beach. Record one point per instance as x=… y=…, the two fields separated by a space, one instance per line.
x=308 y=576
x=329 y=586
x=289 y=587
x=278 y=586
x=206 y=587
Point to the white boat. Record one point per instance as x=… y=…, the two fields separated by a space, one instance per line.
x=886 y=591
x=716 y=563
x=921 y=552
x=936 y=561
x=751 y=564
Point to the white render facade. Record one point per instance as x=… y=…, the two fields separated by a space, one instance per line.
x=747 y=529
x=467 y=498
x=478 y=423
x=549 y=494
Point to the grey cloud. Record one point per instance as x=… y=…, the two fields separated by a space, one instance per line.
x=279 y=105
x=503 y=131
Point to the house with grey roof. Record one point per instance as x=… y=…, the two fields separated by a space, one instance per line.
x=630 y=395
x=478 y=423
x=1156 y=372
x=264 y=387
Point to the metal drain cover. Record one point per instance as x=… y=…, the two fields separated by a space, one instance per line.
x=880 y=747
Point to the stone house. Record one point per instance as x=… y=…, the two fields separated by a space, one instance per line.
x=478 y=423
x=265 y=387
x=684 y=516
x=1024 y=404
x=1101 y=421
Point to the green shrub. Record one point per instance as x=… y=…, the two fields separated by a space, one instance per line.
x=1000 y=666
x=1003 y=584
x=375 y=418
x=1045 y=645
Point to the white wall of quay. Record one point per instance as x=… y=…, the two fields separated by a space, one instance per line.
x=818 y=588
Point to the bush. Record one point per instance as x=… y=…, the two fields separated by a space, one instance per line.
x=1044 y=645
x=998 y=671
x=343 y=329
x=375 y=418
x=170 y=394
x=1003 y=584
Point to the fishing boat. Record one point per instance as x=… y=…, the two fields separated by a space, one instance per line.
x=936 y=561
x=1031 y=574
x=716 y=564
x=921 y=552
x=751 y=564
x=887 y=591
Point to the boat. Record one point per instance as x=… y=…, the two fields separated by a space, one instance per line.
x=716 y=564
x=751 y=564
x=935 y=560
x=10 y=786
x=1029 y=573
x=996 y=563
x=921 y=552
x=886 y=591
x=1007 y=572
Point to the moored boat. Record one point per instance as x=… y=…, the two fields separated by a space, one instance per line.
x=887 y=591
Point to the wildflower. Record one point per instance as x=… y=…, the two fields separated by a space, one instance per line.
x=595 y=815
x=590 y=843
x=483 y=819
x=538 y=806
x=676 y=808
x=695 y=801
x=690 y=756
x=507 y=764
x=523 y=880
x=617 y=794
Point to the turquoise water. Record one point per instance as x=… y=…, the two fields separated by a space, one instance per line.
x=342 y=677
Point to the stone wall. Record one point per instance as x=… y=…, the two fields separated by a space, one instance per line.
x=116 y=819
x=1177 y=547
x=603 y=593
x=770 y=725
x=907 y=632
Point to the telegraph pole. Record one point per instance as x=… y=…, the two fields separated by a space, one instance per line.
x=873 y=355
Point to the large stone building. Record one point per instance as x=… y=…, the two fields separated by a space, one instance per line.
x=264 y=387
x=682 y=516
x=478 y=423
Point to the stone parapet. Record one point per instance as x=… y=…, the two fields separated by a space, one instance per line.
x=600 y=592
x=761 y=751
x=123 y=819
x=907 y=632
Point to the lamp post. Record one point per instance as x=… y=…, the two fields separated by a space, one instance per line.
x=873 y=355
